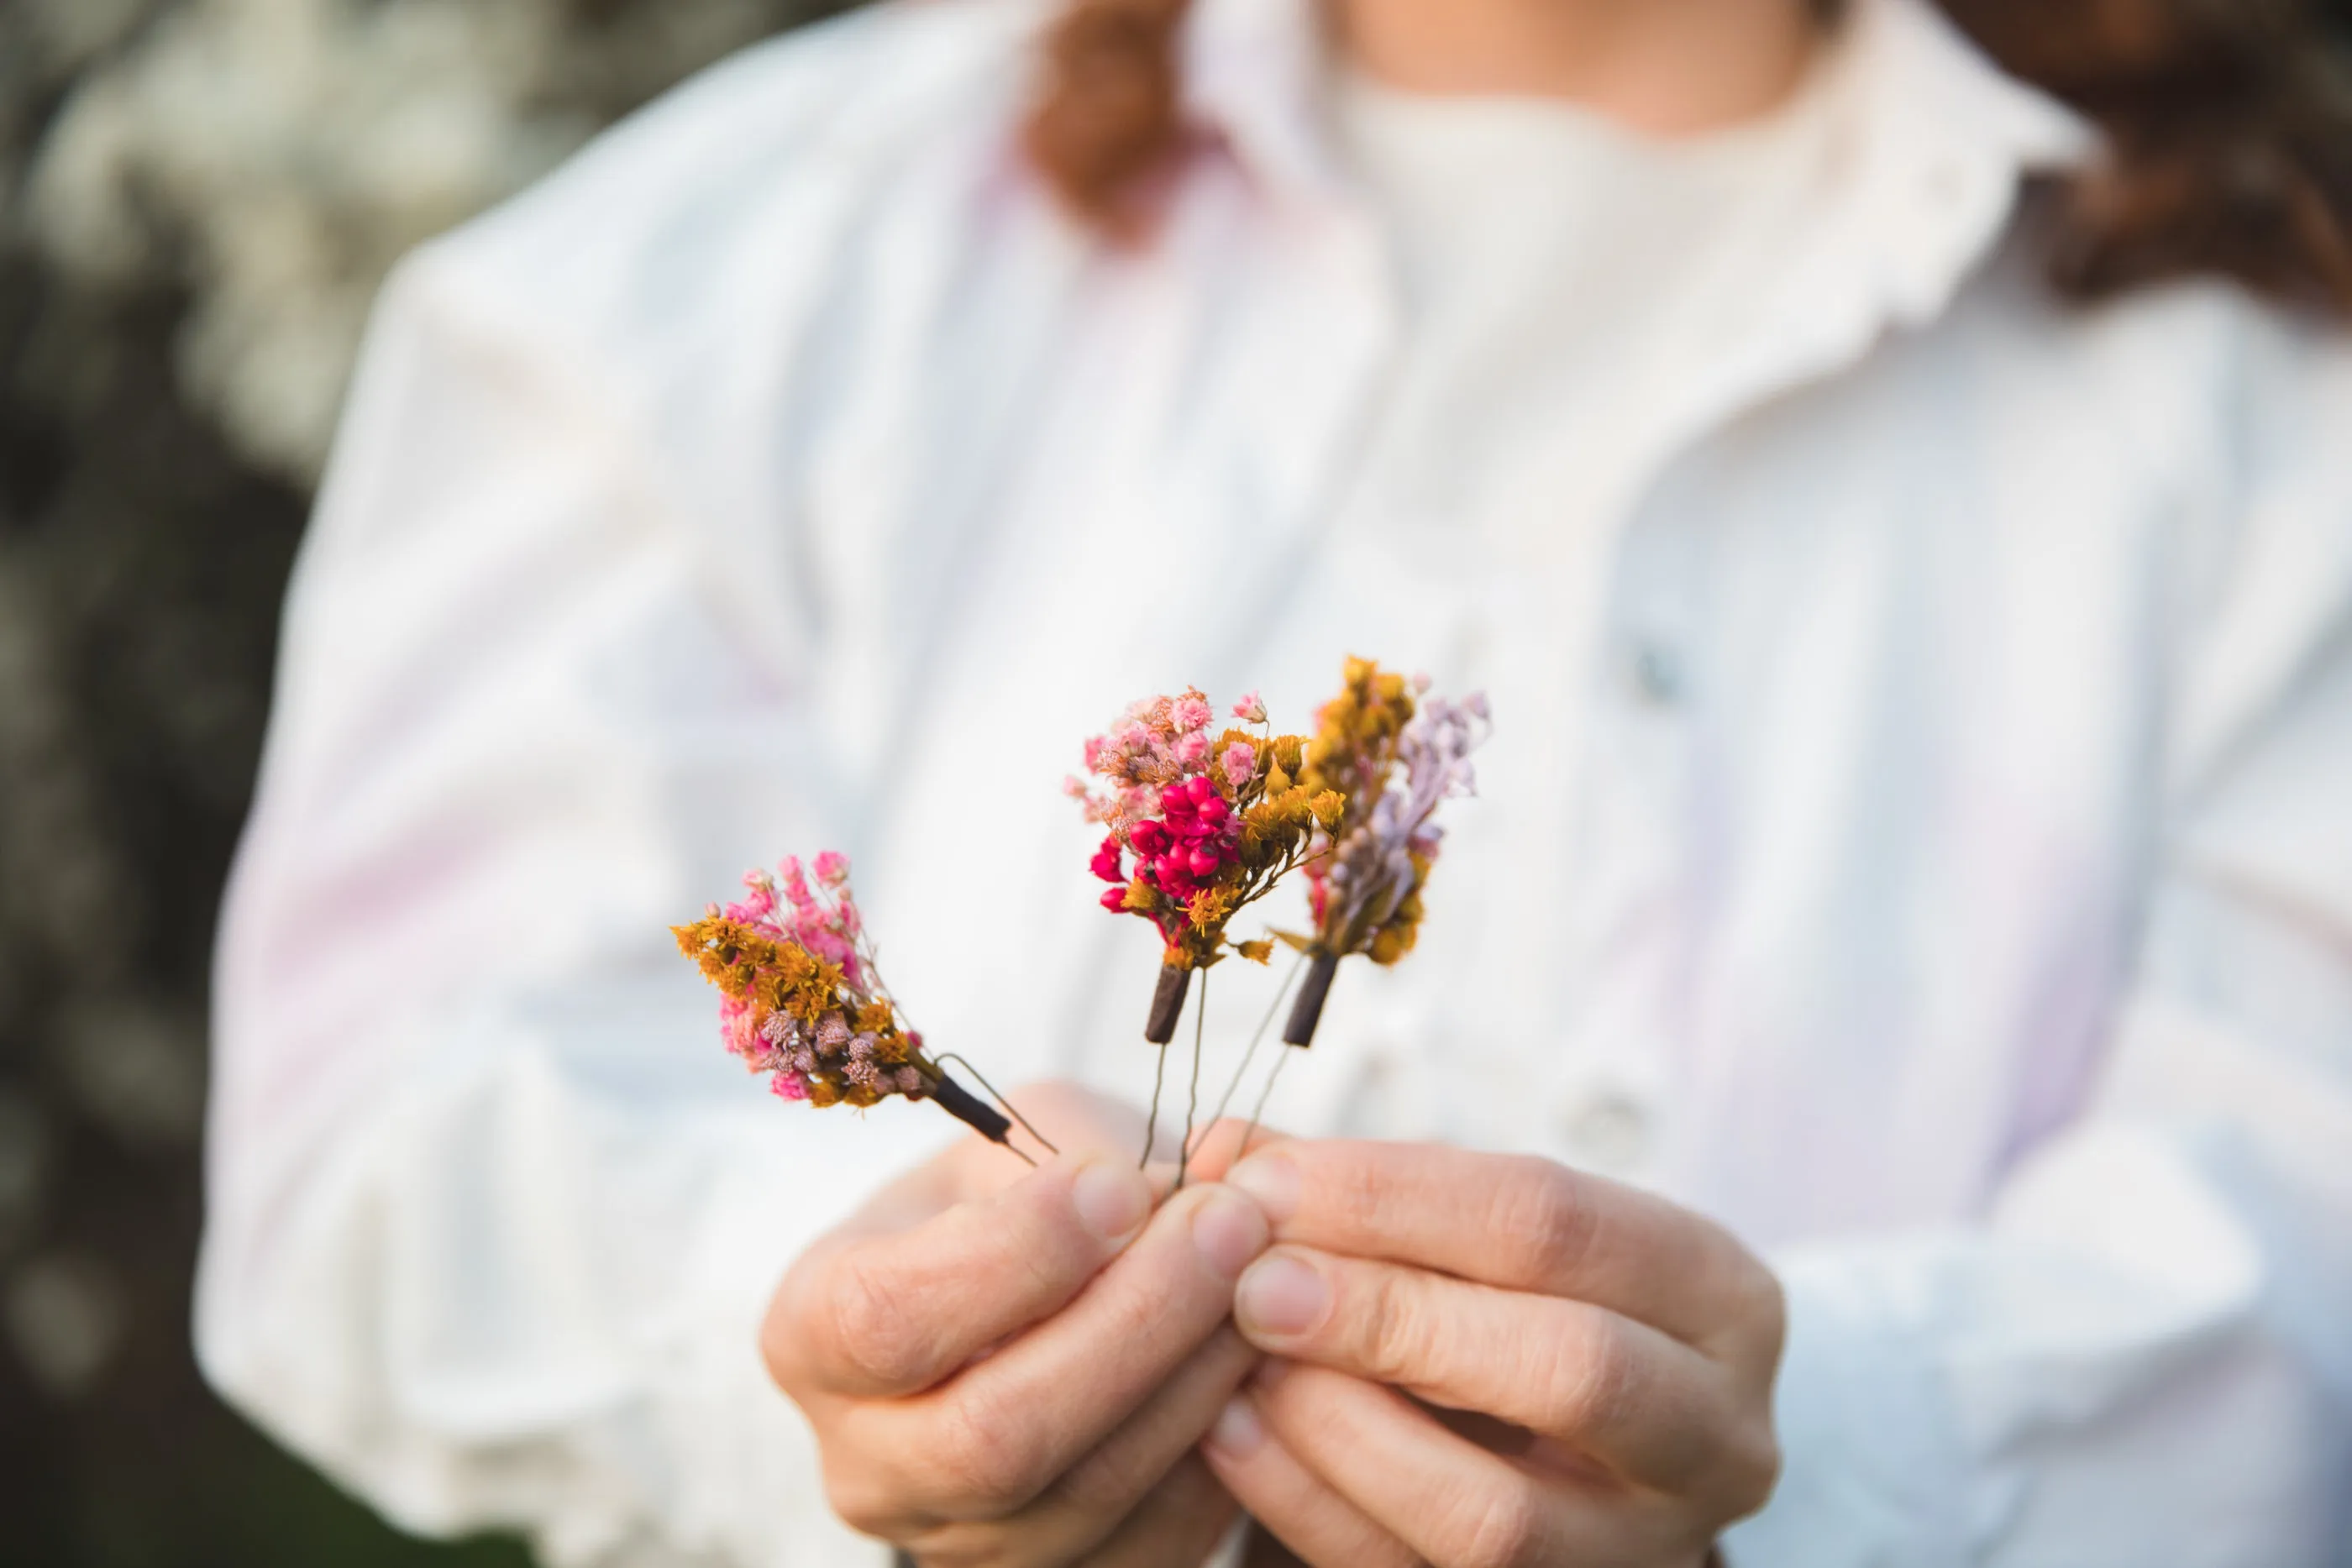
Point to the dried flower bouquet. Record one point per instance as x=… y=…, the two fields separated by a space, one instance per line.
x=802 y=1000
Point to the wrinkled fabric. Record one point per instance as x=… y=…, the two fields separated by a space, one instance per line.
x=1914 y=833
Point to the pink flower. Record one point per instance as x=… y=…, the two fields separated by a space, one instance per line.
x=1191 y=750
x=789 y=1086
x=1251 y=709
x=762 y=893
x=1192 y=712
x=1239 y=762
x=832 y=868
x=1108 y=864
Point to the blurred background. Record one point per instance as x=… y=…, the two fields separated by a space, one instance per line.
x=198 y=198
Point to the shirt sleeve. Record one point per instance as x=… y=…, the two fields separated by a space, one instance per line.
x=2144 y=1353
x=492 y=1217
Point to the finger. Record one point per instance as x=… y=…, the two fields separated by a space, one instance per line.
x=1177 y=1524
x=1447 y=1500
x=1090 y=1504
x=1645 y=1406
x=1289 y=1502
x=1087 y=1503
x=1515 y=1222
x=867 y=1316
x=1216 y=1150
x=992 y=1438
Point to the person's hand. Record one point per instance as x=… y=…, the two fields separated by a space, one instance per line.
x=1014 y=1367
x=1483 y=1360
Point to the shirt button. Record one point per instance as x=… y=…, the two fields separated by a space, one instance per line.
x=1606 y=1131
x=1656 y=674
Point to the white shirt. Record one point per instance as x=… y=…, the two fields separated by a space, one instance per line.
x=1553 y=273
x=1554 y=270
x=1945 y=878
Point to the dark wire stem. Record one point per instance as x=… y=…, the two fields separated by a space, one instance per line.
x=1265 y=1094
x=1193 y=1105
x=1003 y=1103
x=1151 y=1121
x=1233 y=1084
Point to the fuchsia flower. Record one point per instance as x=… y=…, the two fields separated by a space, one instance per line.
x=1211 y=821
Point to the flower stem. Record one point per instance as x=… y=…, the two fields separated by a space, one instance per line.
x=972 y=1111
x=1308 y=1011
x=1193 y=1105
x=1167 y=1003
x=1151 y=1118
x=1009 y=1108
x=1265 y=1094
x=1233 y=1085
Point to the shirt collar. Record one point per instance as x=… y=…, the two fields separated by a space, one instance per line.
x=1940 y=136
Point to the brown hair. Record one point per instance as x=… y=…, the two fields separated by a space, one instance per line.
x=2229 y=124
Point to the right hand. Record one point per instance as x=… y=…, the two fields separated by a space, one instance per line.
x=1008 y=1368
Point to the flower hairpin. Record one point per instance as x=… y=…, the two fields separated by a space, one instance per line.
x=1197 y=827
x=1395 y=755
x=802 y=1000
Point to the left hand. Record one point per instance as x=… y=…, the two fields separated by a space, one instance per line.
x=1483 y=1361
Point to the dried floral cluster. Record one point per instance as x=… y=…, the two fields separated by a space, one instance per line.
x=1210 y=825
x=1396 y=755
x=801 y=999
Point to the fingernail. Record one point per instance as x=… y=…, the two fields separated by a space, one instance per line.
x=1113 y=1200
x=1237 y=1432
x=1273 y=1180
x=1280 y=1296
x=1228 y=1230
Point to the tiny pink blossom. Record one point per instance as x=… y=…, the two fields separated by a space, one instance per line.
x=1251 y=709
x=1191 y=750
x=789 y=1086
x=1239 y=762
x=832 y=868
x=1189 y=712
